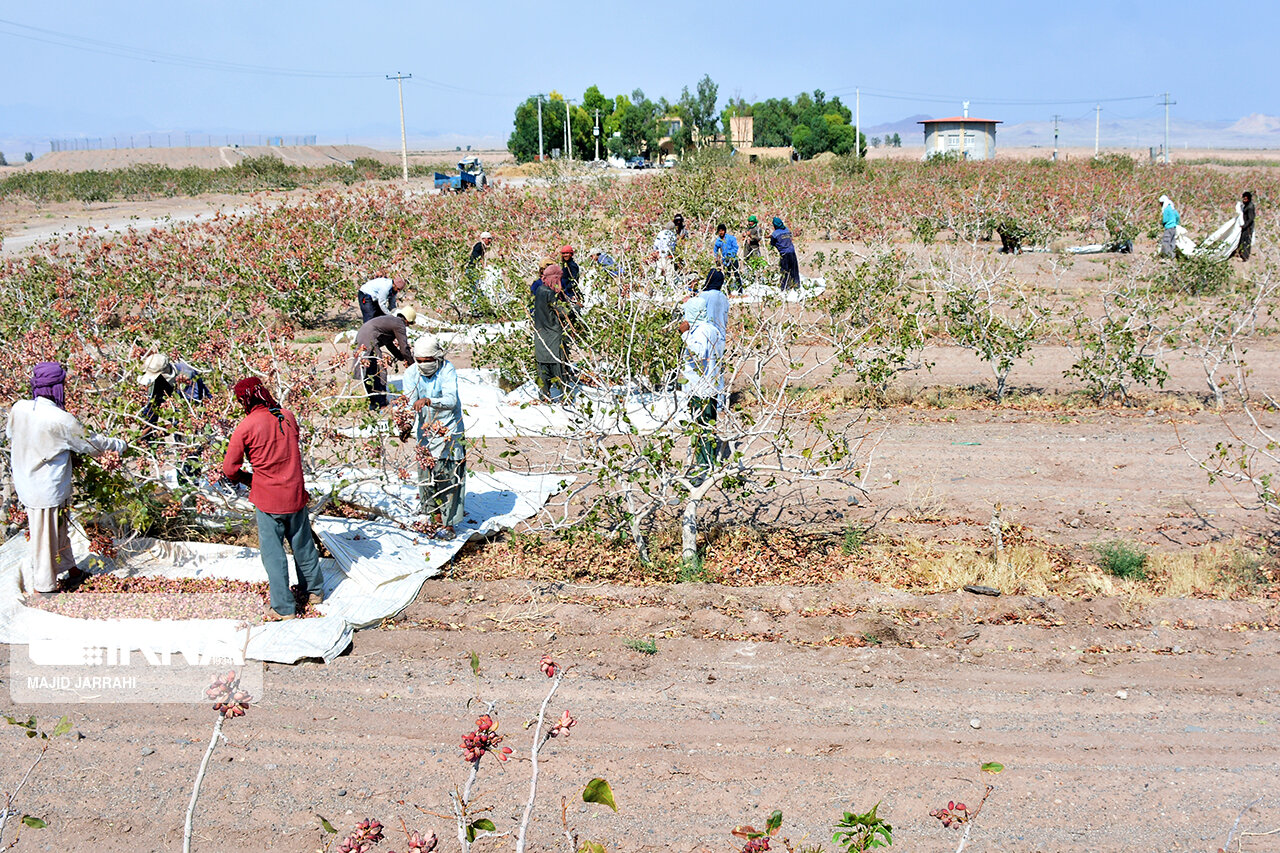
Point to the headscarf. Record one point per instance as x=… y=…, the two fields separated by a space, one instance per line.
x=715 y=280
x=695 y=310
x=1165 y=201
x=551 y=276
x=428 y=346
x=777 y=222
x=47 y=380
x=252 y=393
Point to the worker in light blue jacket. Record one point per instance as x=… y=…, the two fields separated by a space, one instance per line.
x=431 y=389
x=1169 y=221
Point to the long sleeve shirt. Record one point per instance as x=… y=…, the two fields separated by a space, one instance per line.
x=1169 y=217
x=726 y=247
x=444 y=409
x=382 y=291
x=702 y=347
x=608 y=264
x=272 y=448
x=548 y=326
x=780 y=239
x=42 y=438
x=388 y=331
x=717 y=309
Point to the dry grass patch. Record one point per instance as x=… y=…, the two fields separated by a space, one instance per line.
x=745 y=557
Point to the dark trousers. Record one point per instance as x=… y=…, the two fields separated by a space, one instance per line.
x=1246 y=243
x=703 y=410
x=551 y=377
x=375 y=382
x=732 y=271
x=369 y=307
x=790 y=266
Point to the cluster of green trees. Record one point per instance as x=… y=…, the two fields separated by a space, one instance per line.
x=811 y=124
x=635 y=125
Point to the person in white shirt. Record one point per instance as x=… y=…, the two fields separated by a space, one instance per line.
x=377 y=296
x=42 y=436
x=703 y=344
x=664 y=249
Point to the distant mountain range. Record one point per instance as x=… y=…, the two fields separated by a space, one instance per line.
x=1252 y=131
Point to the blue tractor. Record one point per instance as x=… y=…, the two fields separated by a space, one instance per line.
x=470 y=175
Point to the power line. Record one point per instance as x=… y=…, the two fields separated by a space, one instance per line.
x=931 y=97
x=90 y=45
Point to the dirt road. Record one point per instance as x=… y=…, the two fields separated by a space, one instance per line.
x=1118 y=730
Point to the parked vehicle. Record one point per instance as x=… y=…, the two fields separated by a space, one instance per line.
x=470 y=174
x=637 y=163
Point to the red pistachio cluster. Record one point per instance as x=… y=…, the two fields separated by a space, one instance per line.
x=228 y=699
x=954 y=814
x=419 y=843
x=548 y=666
x=484 y=739
x=562 y=726
x=367 y=833
x=422 y=455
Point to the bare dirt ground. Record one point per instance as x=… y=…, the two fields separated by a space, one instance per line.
x=1119 y=729
x=1123 y=724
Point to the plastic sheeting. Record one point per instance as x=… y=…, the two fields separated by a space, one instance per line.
x=377 y=571
x=1219 y=245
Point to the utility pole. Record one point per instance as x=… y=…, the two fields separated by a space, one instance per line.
x=540 y=155
x=1167 y=104
x=596 y=133
x=1097 y=128
x=404 y=143
x=857 y=122
x=1056 y=117
x=568 y=130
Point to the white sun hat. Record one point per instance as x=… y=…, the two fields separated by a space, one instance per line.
x=153 y=366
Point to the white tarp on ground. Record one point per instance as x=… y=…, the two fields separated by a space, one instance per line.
x=1219 y=245
x=377 y=571
x=490 y=412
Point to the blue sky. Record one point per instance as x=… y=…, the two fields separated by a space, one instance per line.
x=472 y=62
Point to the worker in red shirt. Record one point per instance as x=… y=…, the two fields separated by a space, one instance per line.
x=268 y=437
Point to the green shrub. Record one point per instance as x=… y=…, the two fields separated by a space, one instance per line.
x=925 y=229
x=644 y=647
x=693 y=571
x=855 y=537
x=1195 y=275
x=1120 y=164
x=1120 y=559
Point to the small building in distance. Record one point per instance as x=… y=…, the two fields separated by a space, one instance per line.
x=742 y=139
x=968 y=138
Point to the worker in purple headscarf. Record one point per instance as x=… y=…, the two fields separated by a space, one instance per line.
x=42 y=437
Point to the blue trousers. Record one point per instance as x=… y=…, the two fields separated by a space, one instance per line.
x=273 y=530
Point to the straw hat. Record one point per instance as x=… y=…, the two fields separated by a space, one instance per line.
x=153 y=366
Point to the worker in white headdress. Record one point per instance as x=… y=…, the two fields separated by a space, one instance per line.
x=1169 y=221
x=431 y=390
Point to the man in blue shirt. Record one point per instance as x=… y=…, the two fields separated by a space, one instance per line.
x=607 y=263
x=726 y=250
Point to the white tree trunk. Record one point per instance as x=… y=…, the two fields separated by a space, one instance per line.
x=689 y=529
